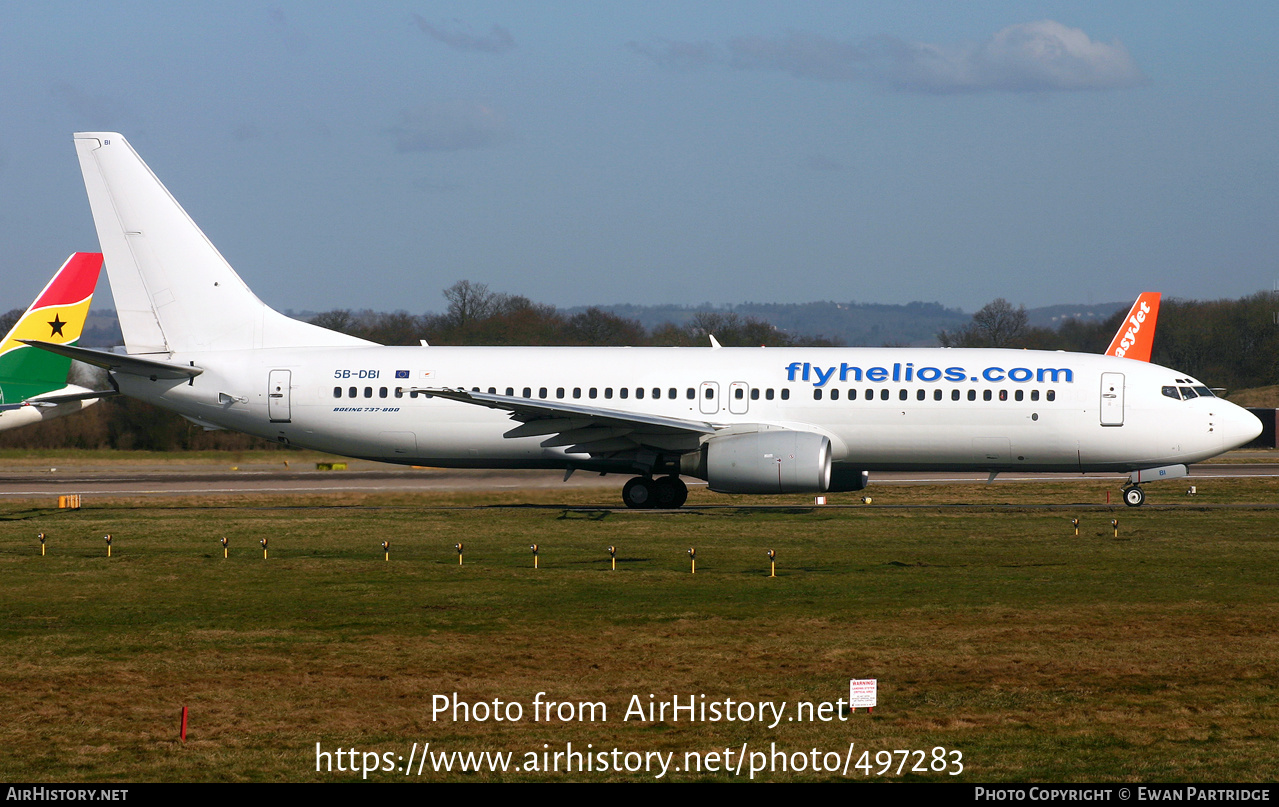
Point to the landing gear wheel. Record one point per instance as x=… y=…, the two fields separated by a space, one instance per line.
x=670 y=493
x=1134 y=496
x=640 y=493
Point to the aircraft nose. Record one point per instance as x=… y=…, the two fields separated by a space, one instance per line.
x=1238 y=426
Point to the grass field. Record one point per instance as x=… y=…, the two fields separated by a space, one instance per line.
x=991 y=628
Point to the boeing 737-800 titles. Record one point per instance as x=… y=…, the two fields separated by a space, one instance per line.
x=747 y=420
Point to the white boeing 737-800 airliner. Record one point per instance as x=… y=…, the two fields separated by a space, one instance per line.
x=747 y=420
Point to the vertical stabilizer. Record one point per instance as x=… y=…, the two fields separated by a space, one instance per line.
x=173 y=290
x=1136 y=336
x=57 y=316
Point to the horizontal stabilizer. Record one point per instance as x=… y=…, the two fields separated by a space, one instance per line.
x=118 y=362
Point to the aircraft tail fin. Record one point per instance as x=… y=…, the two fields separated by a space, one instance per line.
x=173 y=290
x=1136 y=334
x=57 y=316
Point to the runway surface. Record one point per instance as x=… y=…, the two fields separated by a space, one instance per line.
x=178 y=478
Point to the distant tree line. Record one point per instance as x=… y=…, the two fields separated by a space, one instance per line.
x=1223 y=343
x=478 y=316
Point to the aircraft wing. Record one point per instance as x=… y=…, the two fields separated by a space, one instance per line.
x=584 y=429
x=119 y=362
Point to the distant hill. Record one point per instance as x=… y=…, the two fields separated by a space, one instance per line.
x=858 y=324
x=1050 y=316
x=851 y=323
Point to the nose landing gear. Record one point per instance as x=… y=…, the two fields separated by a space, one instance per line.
x=1134 y=496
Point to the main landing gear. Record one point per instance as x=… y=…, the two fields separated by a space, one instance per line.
x=1134 y=496
x=646 y=493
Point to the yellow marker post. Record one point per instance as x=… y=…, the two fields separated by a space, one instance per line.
x=612 y=553
x=41 y=537
x=1075 y=523
x=772 y=563
x=224 y=555
x=1114 y=522
x=107 y=538
x=692 y=555
x=534 y=548
x=386 y=550
x=263 y=542
x=458 y=547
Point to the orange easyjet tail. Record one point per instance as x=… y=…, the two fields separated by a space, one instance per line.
x=1137 y=332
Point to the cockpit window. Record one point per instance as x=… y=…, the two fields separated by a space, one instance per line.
x=1204 y=392
x=1171 y=392
x=1187 y=393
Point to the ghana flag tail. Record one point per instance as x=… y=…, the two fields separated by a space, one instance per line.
x=57 y=315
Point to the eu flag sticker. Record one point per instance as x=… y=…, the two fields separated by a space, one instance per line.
x=401 y=373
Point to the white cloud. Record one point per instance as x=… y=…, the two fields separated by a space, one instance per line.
x=1039 y=56
x=450 y=127
x=459 y=37
x=1043 y=56
x=682 y=56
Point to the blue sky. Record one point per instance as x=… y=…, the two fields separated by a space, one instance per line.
x=345 y=156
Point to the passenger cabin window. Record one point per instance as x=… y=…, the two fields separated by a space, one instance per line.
x=919 y=395
x=817 y=395
x=337 y=392
x=1003 y=395
x=351 y=392
x=755 y=394
x=768 y=394
x=577 y=392
x=528 y=392
x=608 y=392
x=1052 y=395
x=559 y=392
x=972 y=394
x=883 y=394
x=691 y=394
x=592 y=393
x=381 y=393
x=936 y=395
x=985 y=395
x=368 y=392
x=739 y=393
x=492 y=390
x=510 y=391
x=672 y=393
x=1034 y=395
x=902 y=395
x=624 y=392
x=954 y=395
x=834 y=395
x=541 y=392
x=785 y=395
x=852 y=395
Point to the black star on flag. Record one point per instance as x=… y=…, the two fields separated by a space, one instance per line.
x=56 y=326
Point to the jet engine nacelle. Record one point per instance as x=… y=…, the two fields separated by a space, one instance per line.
x=769 y=462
